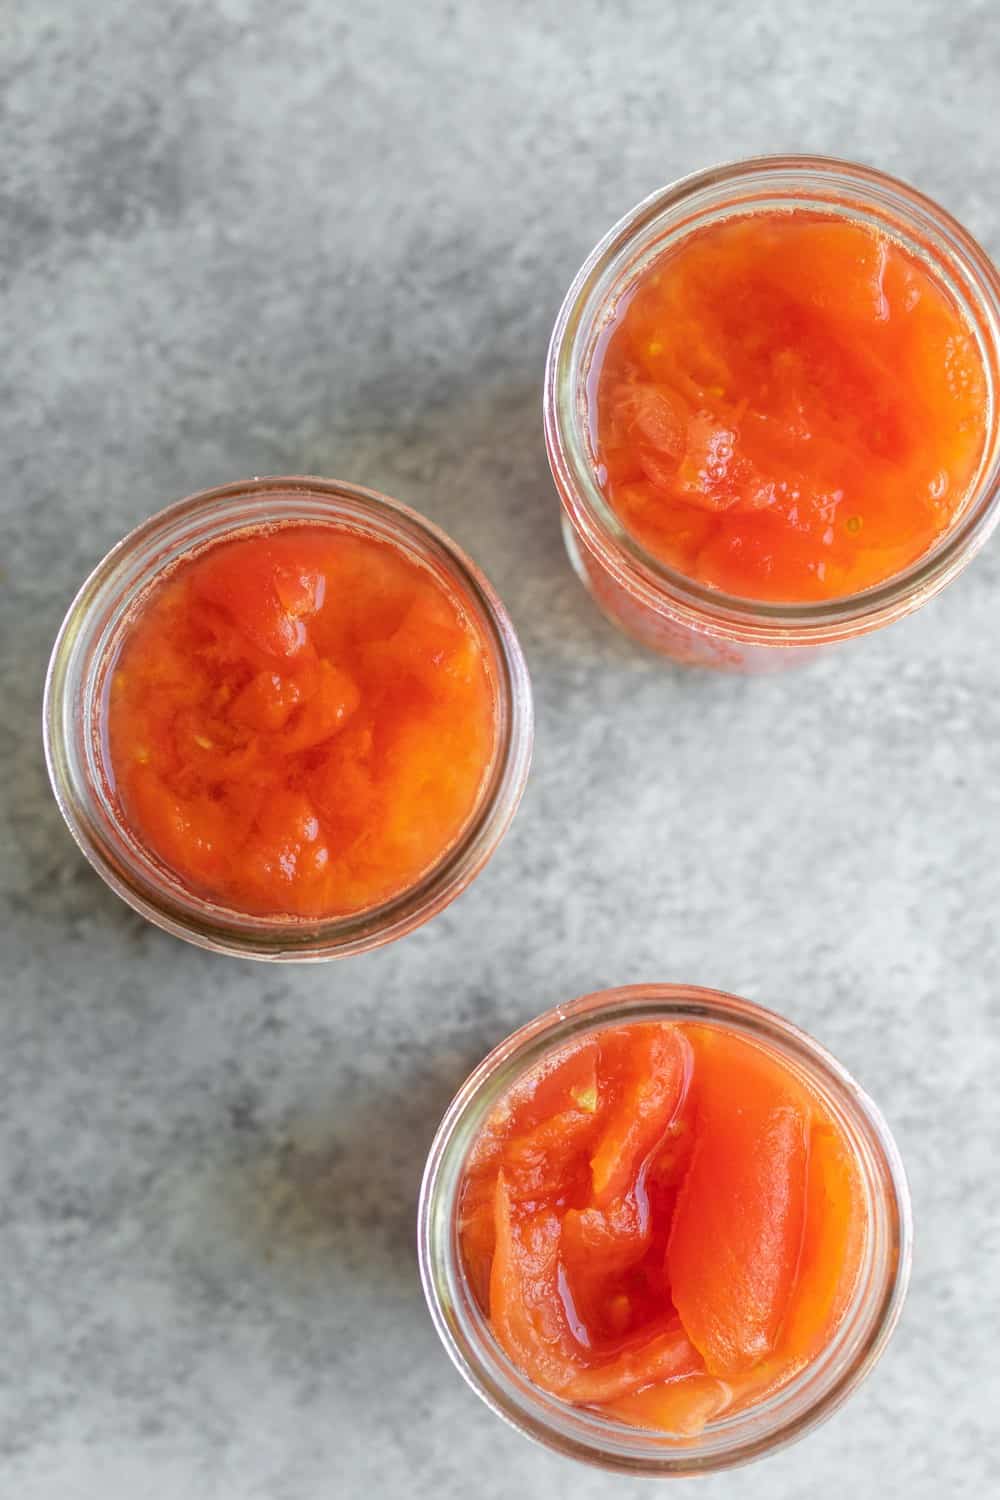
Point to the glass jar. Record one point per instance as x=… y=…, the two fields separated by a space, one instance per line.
x=810 y=1396
x=646 y=598
x=76 y=696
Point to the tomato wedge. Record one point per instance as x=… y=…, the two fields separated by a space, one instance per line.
x=737 y=1229
x=659 y=1061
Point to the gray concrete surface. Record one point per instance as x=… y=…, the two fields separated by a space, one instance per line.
x=263 y=238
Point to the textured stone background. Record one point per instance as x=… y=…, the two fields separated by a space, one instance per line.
x=263 y=238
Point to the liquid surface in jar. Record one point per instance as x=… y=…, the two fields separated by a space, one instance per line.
x=300 y=721
x=662 y=1222
x=787 y=407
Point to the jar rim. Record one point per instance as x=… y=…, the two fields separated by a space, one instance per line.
x=828 y=183
x=781 y=1417
x=190 y=525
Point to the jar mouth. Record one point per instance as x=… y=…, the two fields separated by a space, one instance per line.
x=87 y=645
x=823 y=184
x=789 y=1412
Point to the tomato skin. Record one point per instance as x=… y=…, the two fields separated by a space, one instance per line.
x=299 y=721
x=805 y=384
x=527 y=1310
x=661 y=1221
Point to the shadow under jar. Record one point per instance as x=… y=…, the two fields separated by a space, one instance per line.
x=662 y=595
x=517 y=1127
x=432 y=612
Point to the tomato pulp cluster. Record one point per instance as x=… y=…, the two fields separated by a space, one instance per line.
x=663 y=1221
x=787 y=406
x=300 y=721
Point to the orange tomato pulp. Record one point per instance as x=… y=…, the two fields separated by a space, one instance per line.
x=662 y=1221
x=788 y=407
x=299 y=721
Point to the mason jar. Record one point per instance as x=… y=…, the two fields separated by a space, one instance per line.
x=76 y=710
x=663 y=609
x=817 y=1390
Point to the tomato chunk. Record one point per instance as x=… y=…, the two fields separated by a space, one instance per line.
x=832 y=1242
x=682 y=1405
x=527 y=1307
x=663 y=1356
x=660 y=1061
x=268 y=589
x=737 y=1229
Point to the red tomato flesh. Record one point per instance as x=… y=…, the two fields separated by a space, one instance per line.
x=788 y=407
x=300 y=722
